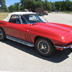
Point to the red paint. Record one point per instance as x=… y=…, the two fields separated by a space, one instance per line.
x=59 y=34
x=58 y=48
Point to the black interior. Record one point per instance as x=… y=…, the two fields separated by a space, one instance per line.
x=14 y=20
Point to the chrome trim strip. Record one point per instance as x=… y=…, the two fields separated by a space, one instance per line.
x=20 y=41
x=70 y=46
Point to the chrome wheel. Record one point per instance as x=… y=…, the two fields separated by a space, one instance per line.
x=43 y=47
x=0 y=33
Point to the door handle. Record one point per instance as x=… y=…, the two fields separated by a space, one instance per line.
x=27 y=30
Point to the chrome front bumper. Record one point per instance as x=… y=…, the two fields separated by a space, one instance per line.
x=65 y=47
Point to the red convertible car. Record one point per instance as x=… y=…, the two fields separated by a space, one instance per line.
x=27 y=28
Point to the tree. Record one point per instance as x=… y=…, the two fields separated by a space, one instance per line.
x=35 y=4
x=64 y=5
x=58 y=5
x=47 y=5
x=17 y=7
x=70 y=7
x=53 y=6
x=2 y=4
x=67 y=4
x=38 y=0
x=22 y=4
x=28 y=4
x=11 y=8
x=39 y=4
x=67 y=0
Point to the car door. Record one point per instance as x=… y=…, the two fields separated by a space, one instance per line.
x=13 y=27
x=26 y=33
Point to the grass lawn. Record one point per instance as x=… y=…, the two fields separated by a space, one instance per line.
x=3 y=15
x=67 y=12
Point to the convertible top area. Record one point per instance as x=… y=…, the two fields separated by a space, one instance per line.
x=17 y=13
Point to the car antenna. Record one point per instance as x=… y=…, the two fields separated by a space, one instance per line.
x=45 y=18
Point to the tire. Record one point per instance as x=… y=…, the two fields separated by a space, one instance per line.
x=44 y=47
x=70 y=49
x=2 y=35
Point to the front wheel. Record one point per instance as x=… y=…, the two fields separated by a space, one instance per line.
x=70 y=49
x=44 y=47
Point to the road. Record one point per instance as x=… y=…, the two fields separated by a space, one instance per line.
x=58 y=18
x=17 y=57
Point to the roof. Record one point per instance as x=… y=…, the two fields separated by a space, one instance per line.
x=20 y=13
x=17 y=13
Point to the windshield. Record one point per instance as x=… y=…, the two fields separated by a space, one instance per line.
x=31 y=18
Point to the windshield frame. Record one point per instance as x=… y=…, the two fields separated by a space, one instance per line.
x=28 y=21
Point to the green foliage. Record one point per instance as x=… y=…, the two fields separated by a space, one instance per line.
x=49 y=11
x=47 y=5
x=53 y=6
x=35 y=4
x=11 y=8
x=38 y=4
x=58 y=5
x=6 y=10
x=70 y=7
x=22 y=2
x=67 y=0
x=17 y=6
x=2 y=4
x=65 y=5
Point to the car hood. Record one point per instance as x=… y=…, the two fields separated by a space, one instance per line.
x=60 y=29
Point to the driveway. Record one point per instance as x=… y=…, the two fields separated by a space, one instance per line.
x=17 y=57
x=58 y=18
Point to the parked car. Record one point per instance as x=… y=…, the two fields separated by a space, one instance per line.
x=45 y=12
x=27 y=28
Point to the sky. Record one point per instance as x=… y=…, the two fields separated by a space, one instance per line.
x=11 y=2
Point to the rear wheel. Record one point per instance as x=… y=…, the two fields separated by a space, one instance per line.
x=44 y=47
x=2 y=34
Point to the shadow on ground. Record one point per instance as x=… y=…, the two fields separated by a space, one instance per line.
x=59 y=56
